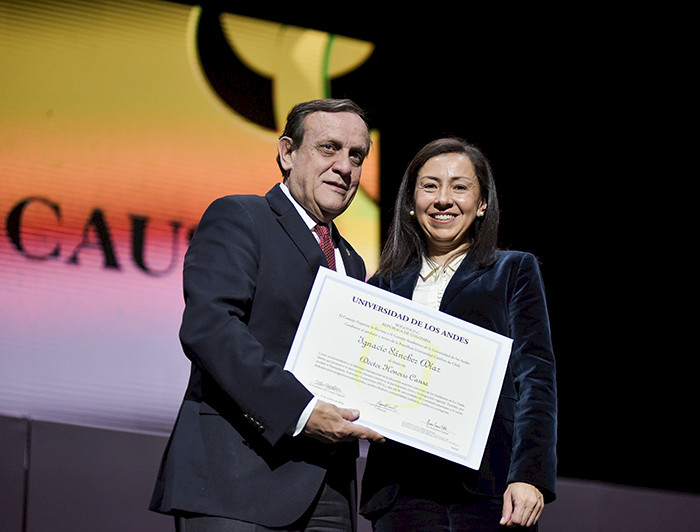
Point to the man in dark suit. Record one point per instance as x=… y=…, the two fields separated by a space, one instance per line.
x=251 y=448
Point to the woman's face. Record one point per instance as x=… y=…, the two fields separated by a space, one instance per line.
x=447 y=201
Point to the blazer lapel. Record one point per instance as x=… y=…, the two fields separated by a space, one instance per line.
x=404 y=285
x=295 y=227
x=465 y=274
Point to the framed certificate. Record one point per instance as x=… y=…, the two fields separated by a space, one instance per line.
x=418 y=376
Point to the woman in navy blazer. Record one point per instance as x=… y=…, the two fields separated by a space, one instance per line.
x=441 y=251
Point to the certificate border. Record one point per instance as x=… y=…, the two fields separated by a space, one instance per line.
x=472 y=458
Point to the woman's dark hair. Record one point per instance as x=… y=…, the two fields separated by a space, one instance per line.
x=294 y=129
x=406 y=243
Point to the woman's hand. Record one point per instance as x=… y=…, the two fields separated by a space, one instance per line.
x=522 y=505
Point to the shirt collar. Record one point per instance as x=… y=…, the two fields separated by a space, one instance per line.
x=429 y=267
x=304 y=215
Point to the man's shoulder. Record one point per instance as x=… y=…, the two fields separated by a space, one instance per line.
x=239 y=199
x=233 y=204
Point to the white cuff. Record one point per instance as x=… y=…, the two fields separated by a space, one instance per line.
x=304 y=417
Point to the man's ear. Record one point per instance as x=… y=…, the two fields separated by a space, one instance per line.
x=284 y=149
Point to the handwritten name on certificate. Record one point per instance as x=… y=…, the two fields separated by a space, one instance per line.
x=418 y=376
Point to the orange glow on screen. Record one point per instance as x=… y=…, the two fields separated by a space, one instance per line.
x=112 y=144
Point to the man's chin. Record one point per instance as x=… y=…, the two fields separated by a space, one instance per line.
x=330 y=214
x=333 y=209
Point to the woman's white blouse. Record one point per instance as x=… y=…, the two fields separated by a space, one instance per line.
x=432 y=281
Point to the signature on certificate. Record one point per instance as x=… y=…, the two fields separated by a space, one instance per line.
x=440 y=427
x=330 y=388
x=384 y=406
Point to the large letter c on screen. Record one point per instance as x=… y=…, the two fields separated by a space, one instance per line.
x=14 y=227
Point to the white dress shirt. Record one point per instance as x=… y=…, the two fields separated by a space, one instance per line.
x=339 y=267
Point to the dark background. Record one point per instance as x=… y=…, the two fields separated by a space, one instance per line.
x=583 y=115
x=572 y=108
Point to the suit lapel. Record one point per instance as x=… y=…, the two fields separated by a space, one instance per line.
x=299 y=233
x=350 y=266
x=295 y=228
x=354 y=267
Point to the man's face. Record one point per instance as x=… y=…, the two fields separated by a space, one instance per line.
x=324 y=172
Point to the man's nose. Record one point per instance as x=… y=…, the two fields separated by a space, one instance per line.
x=343 y=165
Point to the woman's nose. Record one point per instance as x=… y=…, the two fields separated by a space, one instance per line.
x=444 y=197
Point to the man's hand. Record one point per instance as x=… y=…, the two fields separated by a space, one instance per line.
x=522 y=505
x=332 y=424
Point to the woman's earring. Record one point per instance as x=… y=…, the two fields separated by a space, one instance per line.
x=412 y=212
x=480 y=214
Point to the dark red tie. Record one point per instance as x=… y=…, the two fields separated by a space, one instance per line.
x=326 y=244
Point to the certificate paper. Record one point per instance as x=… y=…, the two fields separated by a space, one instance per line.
x=418 y=376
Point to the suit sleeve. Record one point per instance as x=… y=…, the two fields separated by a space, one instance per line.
x=533 y=458
x=220 y=277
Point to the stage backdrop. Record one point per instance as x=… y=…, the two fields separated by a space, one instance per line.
x=119 y=123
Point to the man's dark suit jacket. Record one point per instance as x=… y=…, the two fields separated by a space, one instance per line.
x=508 y=298
x=247 y=275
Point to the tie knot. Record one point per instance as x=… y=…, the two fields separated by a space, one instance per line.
x=322 y=229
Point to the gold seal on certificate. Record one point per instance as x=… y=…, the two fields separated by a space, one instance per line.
x=418 y=376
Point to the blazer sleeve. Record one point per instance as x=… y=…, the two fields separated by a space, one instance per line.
x=220 y=277
x=533 y=458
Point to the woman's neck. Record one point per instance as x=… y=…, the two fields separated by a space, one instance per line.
x=443 y=257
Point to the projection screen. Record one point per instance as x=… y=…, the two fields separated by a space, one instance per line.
x=119 y=123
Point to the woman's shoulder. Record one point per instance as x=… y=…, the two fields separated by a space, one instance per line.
x=379 y=279
x=384 y=279
x=514 y=255
x=518 y=264
x=523 y=262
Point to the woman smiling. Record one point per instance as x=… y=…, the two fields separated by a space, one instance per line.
x=441 y=251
